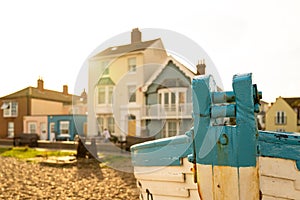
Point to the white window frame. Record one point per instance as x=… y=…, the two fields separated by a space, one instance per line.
x=170 y=92
x=64 y=126
x=107 y=92
x=10 y=129
x=132 y=64
x=111 y=124
x=11 y=109
x=166 y=129
x=32 y=127
x=280 y=118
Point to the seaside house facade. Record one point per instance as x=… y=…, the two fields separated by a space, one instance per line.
x=284 y=115
x=116 y=76
x=139 y=90
x=168 y=108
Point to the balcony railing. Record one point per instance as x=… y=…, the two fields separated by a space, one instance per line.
x=158 y=111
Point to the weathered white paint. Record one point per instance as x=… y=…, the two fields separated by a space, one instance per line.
x=279 y=178
x=224 y=182
x=171 y=182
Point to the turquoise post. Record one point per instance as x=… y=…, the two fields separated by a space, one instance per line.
x=226 y=156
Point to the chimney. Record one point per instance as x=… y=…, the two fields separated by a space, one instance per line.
x=65 y=89
x=201 y=67
x=136 y=36
x=40 y=84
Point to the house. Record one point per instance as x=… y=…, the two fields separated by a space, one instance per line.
x=124 y=68
x=139 y=90
x=66 y=127
x=168 y=108
x=284 y=115
x=19 y=108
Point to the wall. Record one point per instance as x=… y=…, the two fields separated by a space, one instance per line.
x=43 y=107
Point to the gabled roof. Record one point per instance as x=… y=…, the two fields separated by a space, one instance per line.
x=293 y=102
x=45 y=94
x=123 y=49
x=184 y=69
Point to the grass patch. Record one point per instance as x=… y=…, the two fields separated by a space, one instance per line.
x=113 y=160
x=26 y=152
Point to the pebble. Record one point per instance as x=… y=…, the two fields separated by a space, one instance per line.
x=81 y=180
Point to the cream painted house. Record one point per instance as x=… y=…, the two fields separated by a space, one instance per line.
x=284 y=115
x=116 y=78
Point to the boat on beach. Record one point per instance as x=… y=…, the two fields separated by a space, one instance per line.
x=215 y=160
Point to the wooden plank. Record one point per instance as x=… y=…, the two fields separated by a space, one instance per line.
x=205 y=181
x=225 y=183
x=279 y=188
x=165 y=188
x=248 y=183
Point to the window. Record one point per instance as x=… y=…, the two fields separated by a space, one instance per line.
x=64 y=127
x=132 y=64
x=11 y=129
x=111 y=124
x=166 y=101
x=131 y=94
x=280 y=117
x=100 y=124
x=171 y=128
x=10 y=109
x=32 y=127
x=181 y=97
x=101 y=95
x=105 y=94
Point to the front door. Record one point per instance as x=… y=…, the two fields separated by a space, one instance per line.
x=131 y=125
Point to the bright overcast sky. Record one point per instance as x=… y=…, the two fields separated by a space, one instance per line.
x=52 y=39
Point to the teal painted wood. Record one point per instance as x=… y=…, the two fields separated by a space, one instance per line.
x=162 y=152
x=280 y=145
x=215 y=143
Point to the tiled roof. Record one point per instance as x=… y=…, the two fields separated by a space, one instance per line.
x=44 y=94
x=293 y=102
x=139 y=46
x=105 y=81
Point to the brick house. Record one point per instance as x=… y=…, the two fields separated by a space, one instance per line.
x=31 y=101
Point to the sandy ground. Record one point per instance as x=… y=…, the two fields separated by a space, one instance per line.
x=83 y=179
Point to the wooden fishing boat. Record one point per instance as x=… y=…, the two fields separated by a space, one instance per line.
x=218 y=161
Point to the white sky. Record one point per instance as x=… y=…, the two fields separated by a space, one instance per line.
x=52 y=39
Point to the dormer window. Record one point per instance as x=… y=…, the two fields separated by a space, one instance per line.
x=10 y=109
x=132 y=64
